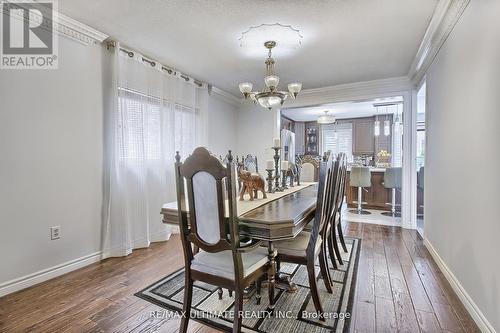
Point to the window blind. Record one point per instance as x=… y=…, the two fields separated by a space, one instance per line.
x=337 y=138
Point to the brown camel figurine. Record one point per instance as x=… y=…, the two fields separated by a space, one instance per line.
x=251 y=183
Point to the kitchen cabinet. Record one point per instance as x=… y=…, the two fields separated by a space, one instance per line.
x=363 y=136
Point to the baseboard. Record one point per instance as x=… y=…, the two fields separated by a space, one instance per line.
x=47 y=274
x=472 y=308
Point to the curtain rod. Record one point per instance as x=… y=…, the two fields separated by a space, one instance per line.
x=168 y=70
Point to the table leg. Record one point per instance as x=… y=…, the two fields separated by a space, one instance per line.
x=271 y=274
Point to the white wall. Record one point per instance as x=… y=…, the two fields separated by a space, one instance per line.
x=462 y=185
x=51 y=162
x=222 y=117
x=256 y=128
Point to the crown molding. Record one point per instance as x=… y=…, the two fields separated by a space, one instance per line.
x=224 y=95
x=77 y=30
x=446 y=15
x=67 y=27
x=351 y=91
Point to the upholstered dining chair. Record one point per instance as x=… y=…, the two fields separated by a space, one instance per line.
x=335 y=227
x=251 y=164
x=309 y=167
x=309 y=245
x=203 y=185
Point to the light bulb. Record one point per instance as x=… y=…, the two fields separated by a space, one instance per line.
x=376 y=127
x=294 y=88
x=269 y=102
x=245 y=88
x=272 y=81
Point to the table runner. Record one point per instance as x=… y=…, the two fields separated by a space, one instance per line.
x=170 y=209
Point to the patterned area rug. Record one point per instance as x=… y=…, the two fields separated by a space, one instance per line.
x=293 y=313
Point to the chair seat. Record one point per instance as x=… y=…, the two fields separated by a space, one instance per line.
x=221 y=263
x=297 y=246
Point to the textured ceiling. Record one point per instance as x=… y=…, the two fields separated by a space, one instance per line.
x=344 y=40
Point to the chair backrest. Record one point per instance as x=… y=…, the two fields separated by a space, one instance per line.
x=360 y=177
x=340 y=182
x=393 y=178
x=309 y=168
x=251 y=164
x=325 y=203
x=203 y=186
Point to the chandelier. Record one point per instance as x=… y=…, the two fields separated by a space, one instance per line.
x=270 y=97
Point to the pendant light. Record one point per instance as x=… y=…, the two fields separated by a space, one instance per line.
x=387 y=125
x=376 y=125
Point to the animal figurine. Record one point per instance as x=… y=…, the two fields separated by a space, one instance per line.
x=251 y=184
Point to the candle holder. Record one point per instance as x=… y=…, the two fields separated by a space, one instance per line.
x=277 y=169
x=270 y=181
x=283 y=180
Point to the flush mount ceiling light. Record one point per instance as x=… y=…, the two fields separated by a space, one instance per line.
x=270 y=97
x=326 y=119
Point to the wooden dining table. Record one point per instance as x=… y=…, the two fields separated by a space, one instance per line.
x=282 y=218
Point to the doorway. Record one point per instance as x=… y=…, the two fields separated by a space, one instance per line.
x=420 y=155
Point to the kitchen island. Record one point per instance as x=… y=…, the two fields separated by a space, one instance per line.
x=376 y=196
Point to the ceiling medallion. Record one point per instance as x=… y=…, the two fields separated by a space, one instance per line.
x=285 y=35
x=270 y=97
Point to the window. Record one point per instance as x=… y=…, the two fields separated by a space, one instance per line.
x=337 y=138
x=144 y=122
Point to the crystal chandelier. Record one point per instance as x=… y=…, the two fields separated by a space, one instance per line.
x=270 y=97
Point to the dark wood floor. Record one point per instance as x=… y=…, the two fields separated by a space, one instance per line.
x=399 y=288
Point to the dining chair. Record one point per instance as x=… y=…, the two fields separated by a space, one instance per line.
x=250 y=163
x=334 y=221
x=204 y=185
x=309 y=245
x=309 y=167
x=340 y=232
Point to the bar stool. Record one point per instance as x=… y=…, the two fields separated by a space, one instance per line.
x=392 y=180
x=360 y=177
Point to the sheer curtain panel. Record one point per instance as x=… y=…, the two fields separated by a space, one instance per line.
x=149 y=115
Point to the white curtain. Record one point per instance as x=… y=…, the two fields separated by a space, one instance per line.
x=151 y=115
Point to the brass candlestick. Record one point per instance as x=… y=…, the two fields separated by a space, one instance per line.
x=277 y=169
x=270 y=181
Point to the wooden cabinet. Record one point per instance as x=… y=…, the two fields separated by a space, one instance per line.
x=363 y=141
x=312 y=132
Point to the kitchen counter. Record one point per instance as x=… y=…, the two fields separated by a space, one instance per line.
x=372 y=169
x=376 y=196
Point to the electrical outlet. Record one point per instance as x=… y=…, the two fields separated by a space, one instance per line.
x=55 y=232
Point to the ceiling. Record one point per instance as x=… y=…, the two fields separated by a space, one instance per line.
x=343 y=110
x=344 y=41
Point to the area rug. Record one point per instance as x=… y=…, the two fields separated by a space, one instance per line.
x=294 y=312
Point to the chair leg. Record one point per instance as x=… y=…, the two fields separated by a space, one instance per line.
x=314 y=290
x=341 y=236
x=238 y=308
x=188 y=297
x=337 y=251
x=331 y=251
x=220 y=292
x=323 y=265
x=258 y=288
x=230 y=293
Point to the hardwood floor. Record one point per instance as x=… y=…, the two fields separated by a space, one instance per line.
x=399 y=289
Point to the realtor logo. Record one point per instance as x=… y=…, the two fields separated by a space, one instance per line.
x=28 y=34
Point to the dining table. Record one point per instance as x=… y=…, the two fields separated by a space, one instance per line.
x=282 y=215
